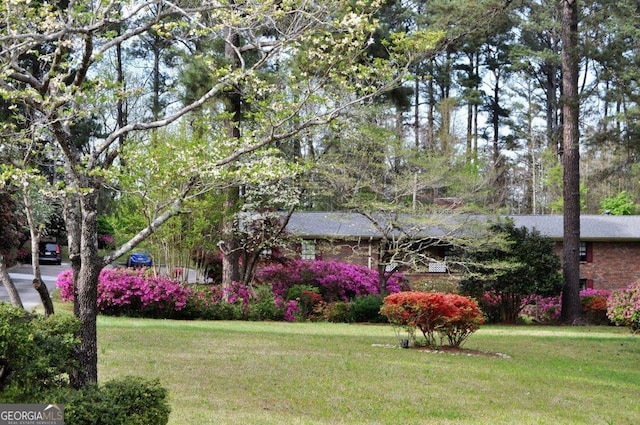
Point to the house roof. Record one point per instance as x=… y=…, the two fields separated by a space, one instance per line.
x=354 y=225
x=592 y=227
x=331 y=225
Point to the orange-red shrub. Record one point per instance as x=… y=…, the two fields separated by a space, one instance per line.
x=436 y=314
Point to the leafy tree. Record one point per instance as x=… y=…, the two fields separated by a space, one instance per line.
x=11 y=225
x=319 y=53
x=10 y=236
x=39 y=206
x=621 y=204
x=528 y=265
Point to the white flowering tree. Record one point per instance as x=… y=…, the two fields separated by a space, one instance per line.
x=55 y=75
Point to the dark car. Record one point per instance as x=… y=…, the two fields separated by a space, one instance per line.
x=50 y=252
x=139 y=259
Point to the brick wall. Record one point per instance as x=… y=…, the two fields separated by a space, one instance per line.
x=614 y=264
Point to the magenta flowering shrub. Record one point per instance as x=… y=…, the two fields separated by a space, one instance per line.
x=542 y=309
x=131 y=292
x=291 y=308
x=236 y=293
x=623 y=307
x=64 y=282
x=335 y=281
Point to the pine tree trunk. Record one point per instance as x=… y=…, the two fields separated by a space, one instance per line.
x=571 y=310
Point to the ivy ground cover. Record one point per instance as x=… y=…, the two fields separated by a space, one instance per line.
x=324 y=373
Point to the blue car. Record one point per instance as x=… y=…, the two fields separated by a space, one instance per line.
x=139 y=259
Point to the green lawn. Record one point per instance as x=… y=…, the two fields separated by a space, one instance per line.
x=302 y=373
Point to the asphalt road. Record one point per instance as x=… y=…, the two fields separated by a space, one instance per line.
x=22 y=277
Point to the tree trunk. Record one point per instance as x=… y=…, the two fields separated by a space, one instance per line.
x=233 y=104
x=14 y=296
x=73 y=223
x=230 y=248
x=40 y=286
x=571 y=310
x=85 y=303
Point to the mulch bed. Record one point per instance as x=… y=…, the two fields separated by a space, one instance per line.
x=453 y=351
x=459 y=351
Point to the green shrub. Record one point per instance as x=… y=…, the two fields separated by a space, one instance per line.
x=336 y=312
x=203 y=305
x=127 y=401
x=263 y=307
x=35 y=354
x=366 y=309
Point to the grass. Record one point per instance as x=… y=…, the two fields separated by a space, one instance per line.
x=321 y=373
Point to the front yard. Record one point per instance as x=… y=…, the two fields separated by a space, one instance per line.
x=222 y=372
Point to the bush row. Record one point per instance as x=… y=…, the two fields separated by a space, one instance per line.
x=335 y=281
x=317 y=291
x=299 y=290
x=436 y=315
x=131 y=292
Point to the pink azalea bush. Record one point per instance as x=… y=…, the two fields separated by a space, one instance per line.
x=623 y=307
x=131 y=292
x=542 y=309
x=335 y=281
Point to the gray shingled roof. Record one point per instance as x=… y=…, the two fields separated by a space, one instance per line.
x=592 y=227
x=354 y=225
x=331 y=224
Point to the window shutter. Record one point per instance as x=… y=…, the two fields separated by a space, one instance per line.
x=590 y=256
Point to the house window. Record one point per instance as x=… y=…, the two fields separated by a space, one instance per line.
x=586 y=252
x=586 y=284
x=308 y=251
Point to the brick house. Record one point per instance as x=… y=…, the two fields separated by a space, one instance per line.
x=609 y=251
x=610 y=248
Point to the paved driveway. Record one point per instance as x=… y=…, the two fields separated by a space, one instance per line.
x=22 y=277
